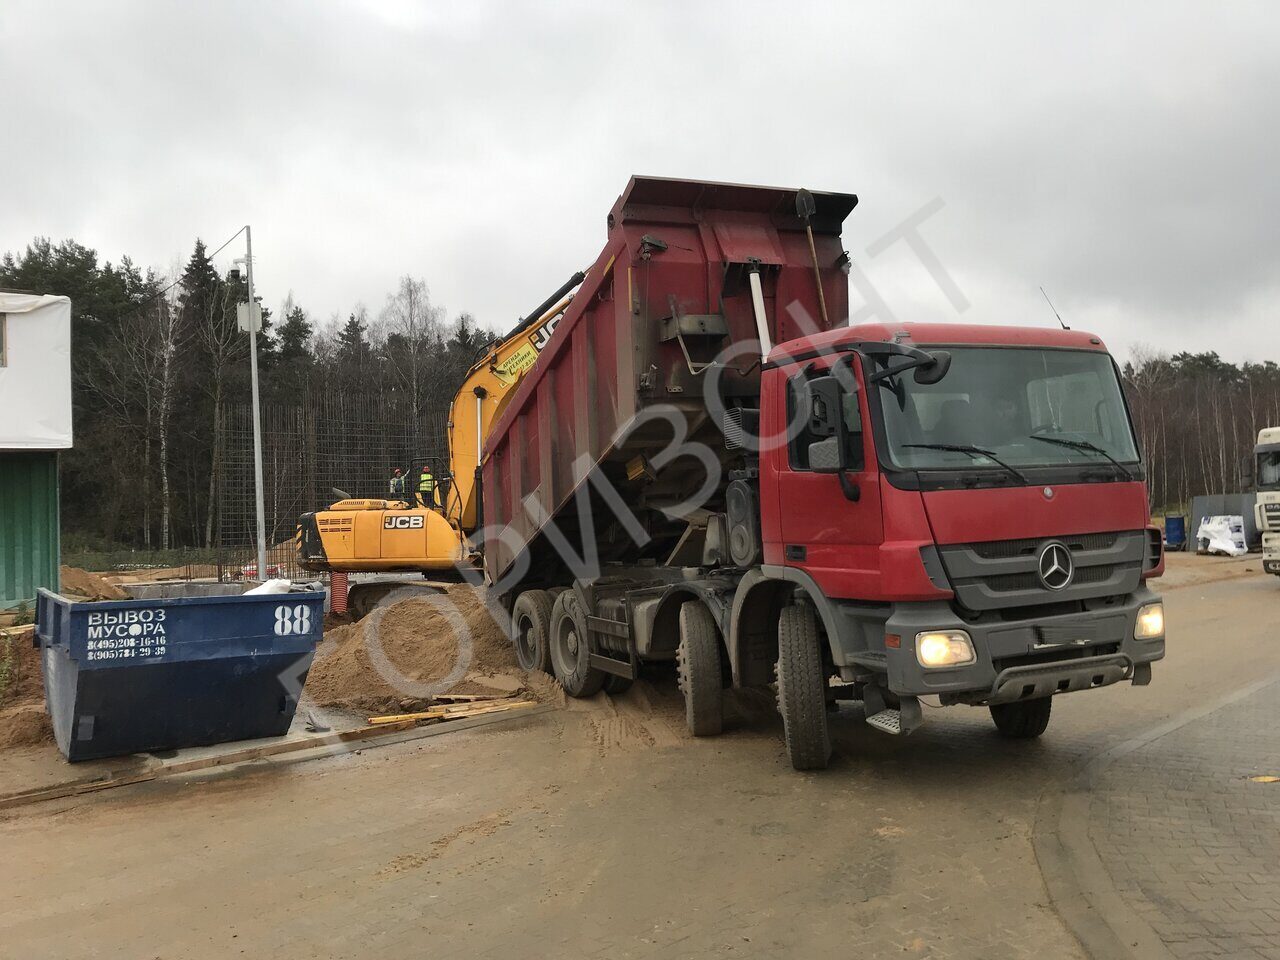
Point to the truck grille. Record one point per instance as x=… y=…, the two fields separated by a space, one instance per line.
x=1005 y=573
x=1002 y=549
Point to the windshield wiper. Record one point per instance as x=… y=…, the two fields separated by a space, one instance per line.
x=971 y=451
x=1084 y=445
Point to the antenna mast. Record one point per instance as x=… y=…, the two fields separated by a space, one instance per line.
x=1053 y=308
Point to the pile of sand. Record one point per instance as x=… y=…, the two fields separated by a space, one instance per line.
x=82 y=583
x=402 y=653
x=23 y=720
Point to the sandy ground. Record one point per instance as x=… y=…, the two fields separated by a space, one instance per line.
x=82 y=583
x=604 y=830
x=1187 y=569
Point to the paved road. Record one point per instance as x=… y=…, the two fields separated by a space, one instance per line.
x=601 y=830
x=1209 y=886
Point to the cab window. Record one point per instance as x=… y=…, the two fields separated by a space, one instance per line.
x=798 y=421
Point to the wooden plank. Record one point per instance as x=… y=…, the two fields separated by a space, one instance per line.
x=73 y=789
x=275 y=749
x=364 y=737
x=451 y=710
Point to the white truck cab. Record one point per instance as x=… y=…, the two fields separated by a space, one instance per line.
x=1266 y=468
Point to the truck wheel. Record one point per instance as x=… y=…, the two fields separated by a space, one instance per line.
x=531 y=630
x=1023 y=720
x=570 y=651
x=698 y=659
x=802 y=684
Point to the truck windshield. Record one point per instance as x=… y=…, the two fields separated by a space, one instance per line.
x=1023 y=407
x=1269 y=469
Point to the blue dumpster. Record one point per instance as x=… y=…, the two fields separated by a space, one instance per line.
x=128 y=676
x=1175 y=532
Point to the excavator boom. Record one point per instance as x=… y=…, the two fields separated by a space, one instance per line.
x=388 y=536
x=484 y=393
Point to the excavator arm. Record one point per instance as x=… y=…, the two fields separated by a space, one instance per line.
x=484 y=393
x=383 y=536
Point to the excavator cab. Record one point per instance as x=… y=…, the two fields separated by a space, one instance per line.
x=440 y=473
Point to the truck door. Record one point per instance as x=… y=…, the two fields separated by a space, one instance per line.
x=829 y=526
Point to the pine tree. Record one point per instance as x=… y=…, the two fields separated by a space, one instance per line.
x=295 y=337
x=353 y=346
x=294 y=361
x=200 y=285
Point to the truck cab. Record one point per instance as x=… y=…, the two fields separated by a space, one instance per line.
x=1266 y=471
x=972 y=521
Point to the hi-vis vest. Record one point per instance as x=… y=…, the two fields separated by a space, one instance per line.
x=426 y=483
x=397 y=485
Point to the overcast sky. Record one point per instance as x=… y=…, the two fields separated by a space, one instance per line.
x=1125 y=156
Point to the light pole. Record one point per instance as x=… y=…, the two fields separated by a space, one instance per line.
x=253 y=321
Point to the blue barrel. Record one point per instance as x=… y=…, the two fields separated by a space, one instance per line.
x=1175 y=532
x=129 y=676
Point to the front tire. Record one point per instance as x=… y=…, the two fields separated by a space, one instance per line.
x=1023 y=720
x=531 y=630
x=802 y=699
x=698 y=659
x=570 y=650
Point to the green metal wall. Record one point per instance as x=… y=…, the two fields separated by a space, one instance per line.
x=29 y=546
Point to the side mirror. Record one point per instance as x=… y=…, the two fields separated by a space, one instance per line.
x=931 y=373
x=828 y=455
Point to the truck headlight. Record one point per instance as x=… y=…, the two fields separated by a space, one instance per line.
x=1150 y=622
x=944 y=648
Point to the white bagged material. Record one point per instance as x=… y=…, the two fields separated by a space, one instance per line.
x=35 y=372
x=1222 y=535
x=271 y=586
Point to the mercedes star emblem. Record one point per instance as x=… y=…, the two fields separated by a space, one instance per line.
x=1055 y=565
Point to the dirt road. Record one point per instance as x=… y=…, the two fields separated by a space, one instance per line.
x=603 y=830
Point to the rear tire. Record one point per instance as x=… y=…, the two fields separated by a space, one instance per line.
x=570 y=651
x=698 y=659
x=531 y=630
x=802 y=684
x=1023 y=720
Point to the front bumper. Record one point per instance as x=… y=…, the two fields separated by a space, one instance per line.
x=1014 y=660
x=1271 y=552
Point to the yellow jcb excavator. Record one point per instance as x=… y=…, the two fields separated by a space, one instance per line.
x=408 y=535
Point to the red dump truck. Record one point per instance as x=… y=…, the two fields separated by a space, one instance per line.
x=709 y=465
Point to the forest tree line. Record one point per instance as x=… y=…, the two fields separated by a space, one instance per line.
x=1197 y=417
x=157 y=360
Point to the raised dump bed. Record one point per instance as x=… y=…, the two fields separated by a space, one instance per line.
x=128 y=676
x=631 y=360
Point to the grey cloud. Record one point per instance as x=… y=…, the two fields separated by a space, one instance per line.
x=1122 y=155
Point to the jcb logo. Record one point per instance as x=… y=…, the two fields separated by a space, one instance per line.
x=403 y=523
x=543 y=336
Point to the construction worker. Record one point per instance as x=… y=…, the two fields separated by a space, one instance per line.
x=427 y=488
x=397 y=486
